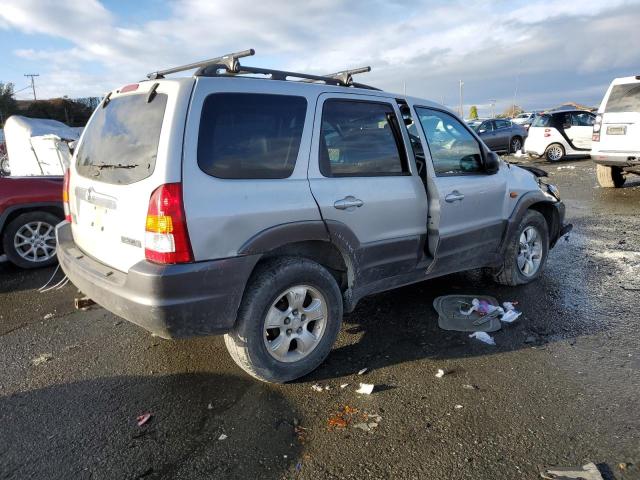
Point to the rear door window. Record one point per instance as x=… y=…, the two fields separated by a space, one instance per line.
x=120 y=143
x=249 y=135
x=502 y=124
x=360 y=138
x=624 y=98
x=541 y=121
x=582 y=119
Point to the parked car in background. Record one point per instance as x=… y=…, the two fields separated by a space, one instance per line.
x=557 y=135
x=30 y=208
x=615 y=146
x=499 y=134
x=524 y=118
x=251 y=207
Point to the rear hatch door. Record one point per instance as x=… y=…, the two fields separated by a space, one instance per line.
x=127 y=150
x=620 y=129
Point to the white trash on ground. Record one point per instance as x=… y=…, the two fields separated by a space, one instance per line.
x=586 y=472
x=441 y=373
x=483 y=337
x=365 y=388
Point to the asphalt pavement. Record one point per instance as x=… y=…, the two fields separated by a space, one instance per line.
x=561 y=387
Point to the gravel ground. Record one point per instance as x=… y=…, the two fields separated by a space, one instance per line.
x=562 y=385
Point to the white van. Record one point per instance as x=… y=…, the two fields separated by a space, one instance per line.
x=616 y=134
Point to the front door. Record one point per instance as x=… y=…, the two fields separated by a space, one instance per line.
x=581 y=129
x=469 y=217
x=366 y=185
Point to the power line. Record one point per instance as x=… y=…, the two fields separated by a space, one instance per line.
x=33 y=85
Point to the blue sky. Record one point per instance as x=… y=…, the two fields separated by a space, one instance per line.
x=542 y=52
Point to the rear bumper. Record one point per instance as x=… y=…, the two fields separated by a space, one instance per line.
x=171 y=301
x=617 y=159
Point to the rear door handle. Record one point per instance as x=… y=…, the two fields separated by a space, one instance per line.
x=454 y=196
x=348 y=203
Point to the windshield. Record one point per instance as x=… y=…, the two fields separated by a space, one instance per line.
x=624 y=98
x=523 y=115
x=475 y=125
x=120 y=142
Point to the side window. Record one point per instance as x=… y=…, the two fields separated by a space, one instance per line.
x=360 y=138
x=502 y=124
x=582 y=119
x=454 y=151
x=248 y=135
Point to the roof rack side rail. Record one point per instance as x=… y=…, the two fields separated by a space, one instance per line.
x=230 y=62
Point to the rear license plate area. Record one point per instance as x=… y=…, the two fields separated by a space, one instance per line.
x=616 y=130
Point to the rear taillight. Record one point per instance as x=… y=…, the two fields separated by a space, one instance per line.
x=547 y=132
x=597 y=125
x=65 y=195
x=166 y=237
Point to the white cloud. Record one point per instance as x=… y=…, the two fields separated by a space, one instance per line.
x=555 y=48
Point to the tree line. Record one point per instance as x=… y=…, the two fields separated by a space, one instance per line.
x=74 y=112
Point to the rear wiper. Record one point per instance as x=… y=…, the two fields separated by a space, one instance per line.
x=115 y=165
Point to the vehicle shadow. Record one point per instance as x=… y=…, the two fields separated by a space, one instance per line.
x=15 y=279
x=401 y=325
x=88 y=429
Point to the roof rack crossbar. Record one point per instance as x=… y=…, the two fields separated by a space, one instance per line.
x=346 y=76
x=230 y=62
x=334 y=79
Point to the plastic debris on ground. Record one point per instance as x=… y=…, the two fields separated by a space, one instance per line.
x=317 y=388
x=344 y=385
x=222 y=437
x=586 y=472
x=352 y=416
x=48 y=316
x=441 y=373
x=40 y=359
x=144 y=418
x=363 y=371
x=483 y=337
x=366 y=388
x=343 y=418
x=458 y=407
x=468 y=313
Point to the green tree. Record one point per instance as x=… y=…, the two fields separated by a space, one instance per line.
x=7 y=101
x=473 y=112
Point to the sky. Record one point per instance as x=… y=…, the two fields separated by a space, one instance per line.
x=540 y=53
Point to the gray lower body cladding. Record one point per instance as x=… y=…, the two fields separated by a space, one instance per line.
x=172 y=301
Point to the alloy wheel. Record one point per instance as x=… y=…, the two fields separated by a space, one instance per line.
x=35 y=242
x=530 y=251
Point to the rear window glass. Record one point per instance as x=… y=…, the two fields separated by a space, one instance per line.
x=248 y=135
x=624 y=98
x=120 y=143
x=541 y=121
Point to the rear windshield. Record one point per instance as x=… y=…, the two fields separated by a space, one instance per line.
x=541 y=121
x=120 y=144
x=624 y=98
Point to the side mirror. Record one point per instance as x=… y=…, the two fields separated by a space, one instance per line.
x=492 y=163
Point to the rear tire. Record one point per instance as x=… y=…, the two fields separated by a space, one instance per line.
x=514 y=272
x=29 y=240
x=554 y=152
x=515 y=144
x=609 y=177
x=252 y=345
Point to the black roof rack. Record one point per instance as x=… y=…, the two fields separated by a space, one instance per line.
x=229 y=65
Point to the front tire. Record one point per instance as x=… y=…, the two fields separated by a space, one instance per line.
x=609 y=177
x=527 y=251
x=515 y=145
x=289 y=318
x=29 y=241
x=554 y=152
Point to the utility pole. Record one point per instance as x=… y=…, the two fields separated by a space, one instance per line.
x=461 y=103
x=493 y=108
x=33 y=85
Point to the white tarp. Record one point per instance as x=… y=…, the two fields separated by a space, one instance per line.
x=37 y=146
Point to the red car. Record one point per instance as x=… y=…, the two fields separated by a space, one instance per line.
x=30 y=208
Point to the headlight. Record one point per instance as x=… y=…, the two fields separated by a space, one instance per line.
x=553 y=190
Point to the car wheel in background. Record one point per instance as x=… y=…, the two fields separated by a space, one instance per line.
x=289 y=318
x=526 y=253
x=554 y=152
x=29 y=240
x=609 y=177
x=515 y=145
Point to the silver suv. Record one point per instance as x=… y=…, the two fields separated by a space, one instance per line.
x=263 y=208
